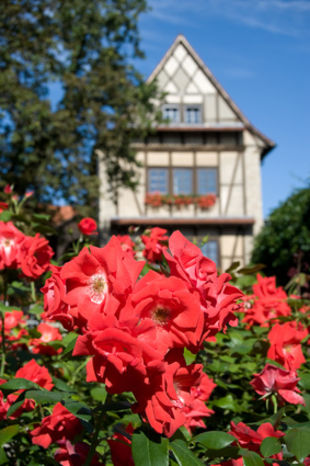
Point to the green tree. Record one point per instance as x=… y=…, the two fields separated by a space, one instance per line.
x=86 y=48
x=283 y=245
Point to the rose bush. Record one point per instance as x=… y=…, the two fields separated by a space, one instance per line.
x=141 y=352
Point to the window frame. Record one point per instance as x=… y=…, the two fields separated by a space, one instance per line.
x=192 y=106
x=168 y=179
x=172 y=106
x=170 y=169
x=216 y=180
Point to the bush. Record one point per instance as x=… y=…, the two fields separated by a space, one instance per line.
x=139 y=353
x=283 y=245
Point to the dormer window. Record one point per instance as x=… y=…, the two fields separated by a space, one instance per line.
x=171 y=113
x=192 y=114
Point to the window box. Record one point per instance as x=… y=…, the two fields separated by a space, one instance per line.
x=179 y=200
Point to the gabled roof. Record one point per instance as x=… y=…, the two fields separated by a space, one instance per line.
x=267 y=143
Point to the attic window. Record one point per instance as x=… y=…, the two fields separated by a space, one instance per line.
x=193 y=114
x=171 y=113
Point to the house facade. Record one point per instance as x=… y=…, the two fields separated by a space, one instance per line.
x=201 y=169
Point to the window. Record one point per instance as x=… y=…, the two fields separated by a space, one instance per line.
x=158 y=180
x=182 y=181
x=172 y=113
x=206 y=181
x=193 y=114
x=210 y=250
x=199 y=181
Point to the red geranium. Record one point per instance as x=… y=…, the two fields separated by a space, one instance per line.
x=61 y=425
x=88 y=226
x=272 y=379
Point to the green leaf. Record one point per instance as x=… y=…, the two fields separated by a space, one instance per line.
x=99 y=394
x=69 y=342
x=270 y=446
x=5 y=216
x=305 y=381
x=41 y=216
x=250 y=270
x=14 y=407
x=4 y=308
x=44 y=396
x=298 y=443
x=3 y=457
x=232 y=267
x=19 y=384
x=189 y=357
x=215 y=440
x=61 y=385
x=148 y=453
x=250 y=458
x=227 y=402
x=7 y=433
x=183 y=455
x=80 y=410
x=36 y=309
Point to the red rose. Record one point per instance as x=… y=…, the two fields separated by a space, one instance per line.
x=121 y=353
x=269 y=302
x=48 y=334
x=120 y=447
x=285 y=347
x=74 y=455
x=154 y=244
x=10 y=244
x=88 y=226
x=3 y=206
x=38 y=374
x=175 y=397
x=60 y=425
x=98 y=279
x=248 y=438
x=54 y=292
x=36 y=254
x=272 y=379
x=217 y=296
x=174 y=310
x=8 y=189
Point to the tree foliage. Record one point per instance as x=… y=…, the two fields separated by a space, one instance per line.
x=85 y=50
x=283 y=245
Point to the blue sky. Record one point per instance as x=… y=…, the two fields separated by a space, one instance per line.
x=259 y=50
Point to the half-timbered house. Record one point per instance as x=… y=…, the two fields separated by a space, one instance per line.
x=201 y=169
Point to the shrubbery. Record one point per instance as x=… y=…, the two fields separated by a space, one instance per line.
x=141 y=353
x=283 y=245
